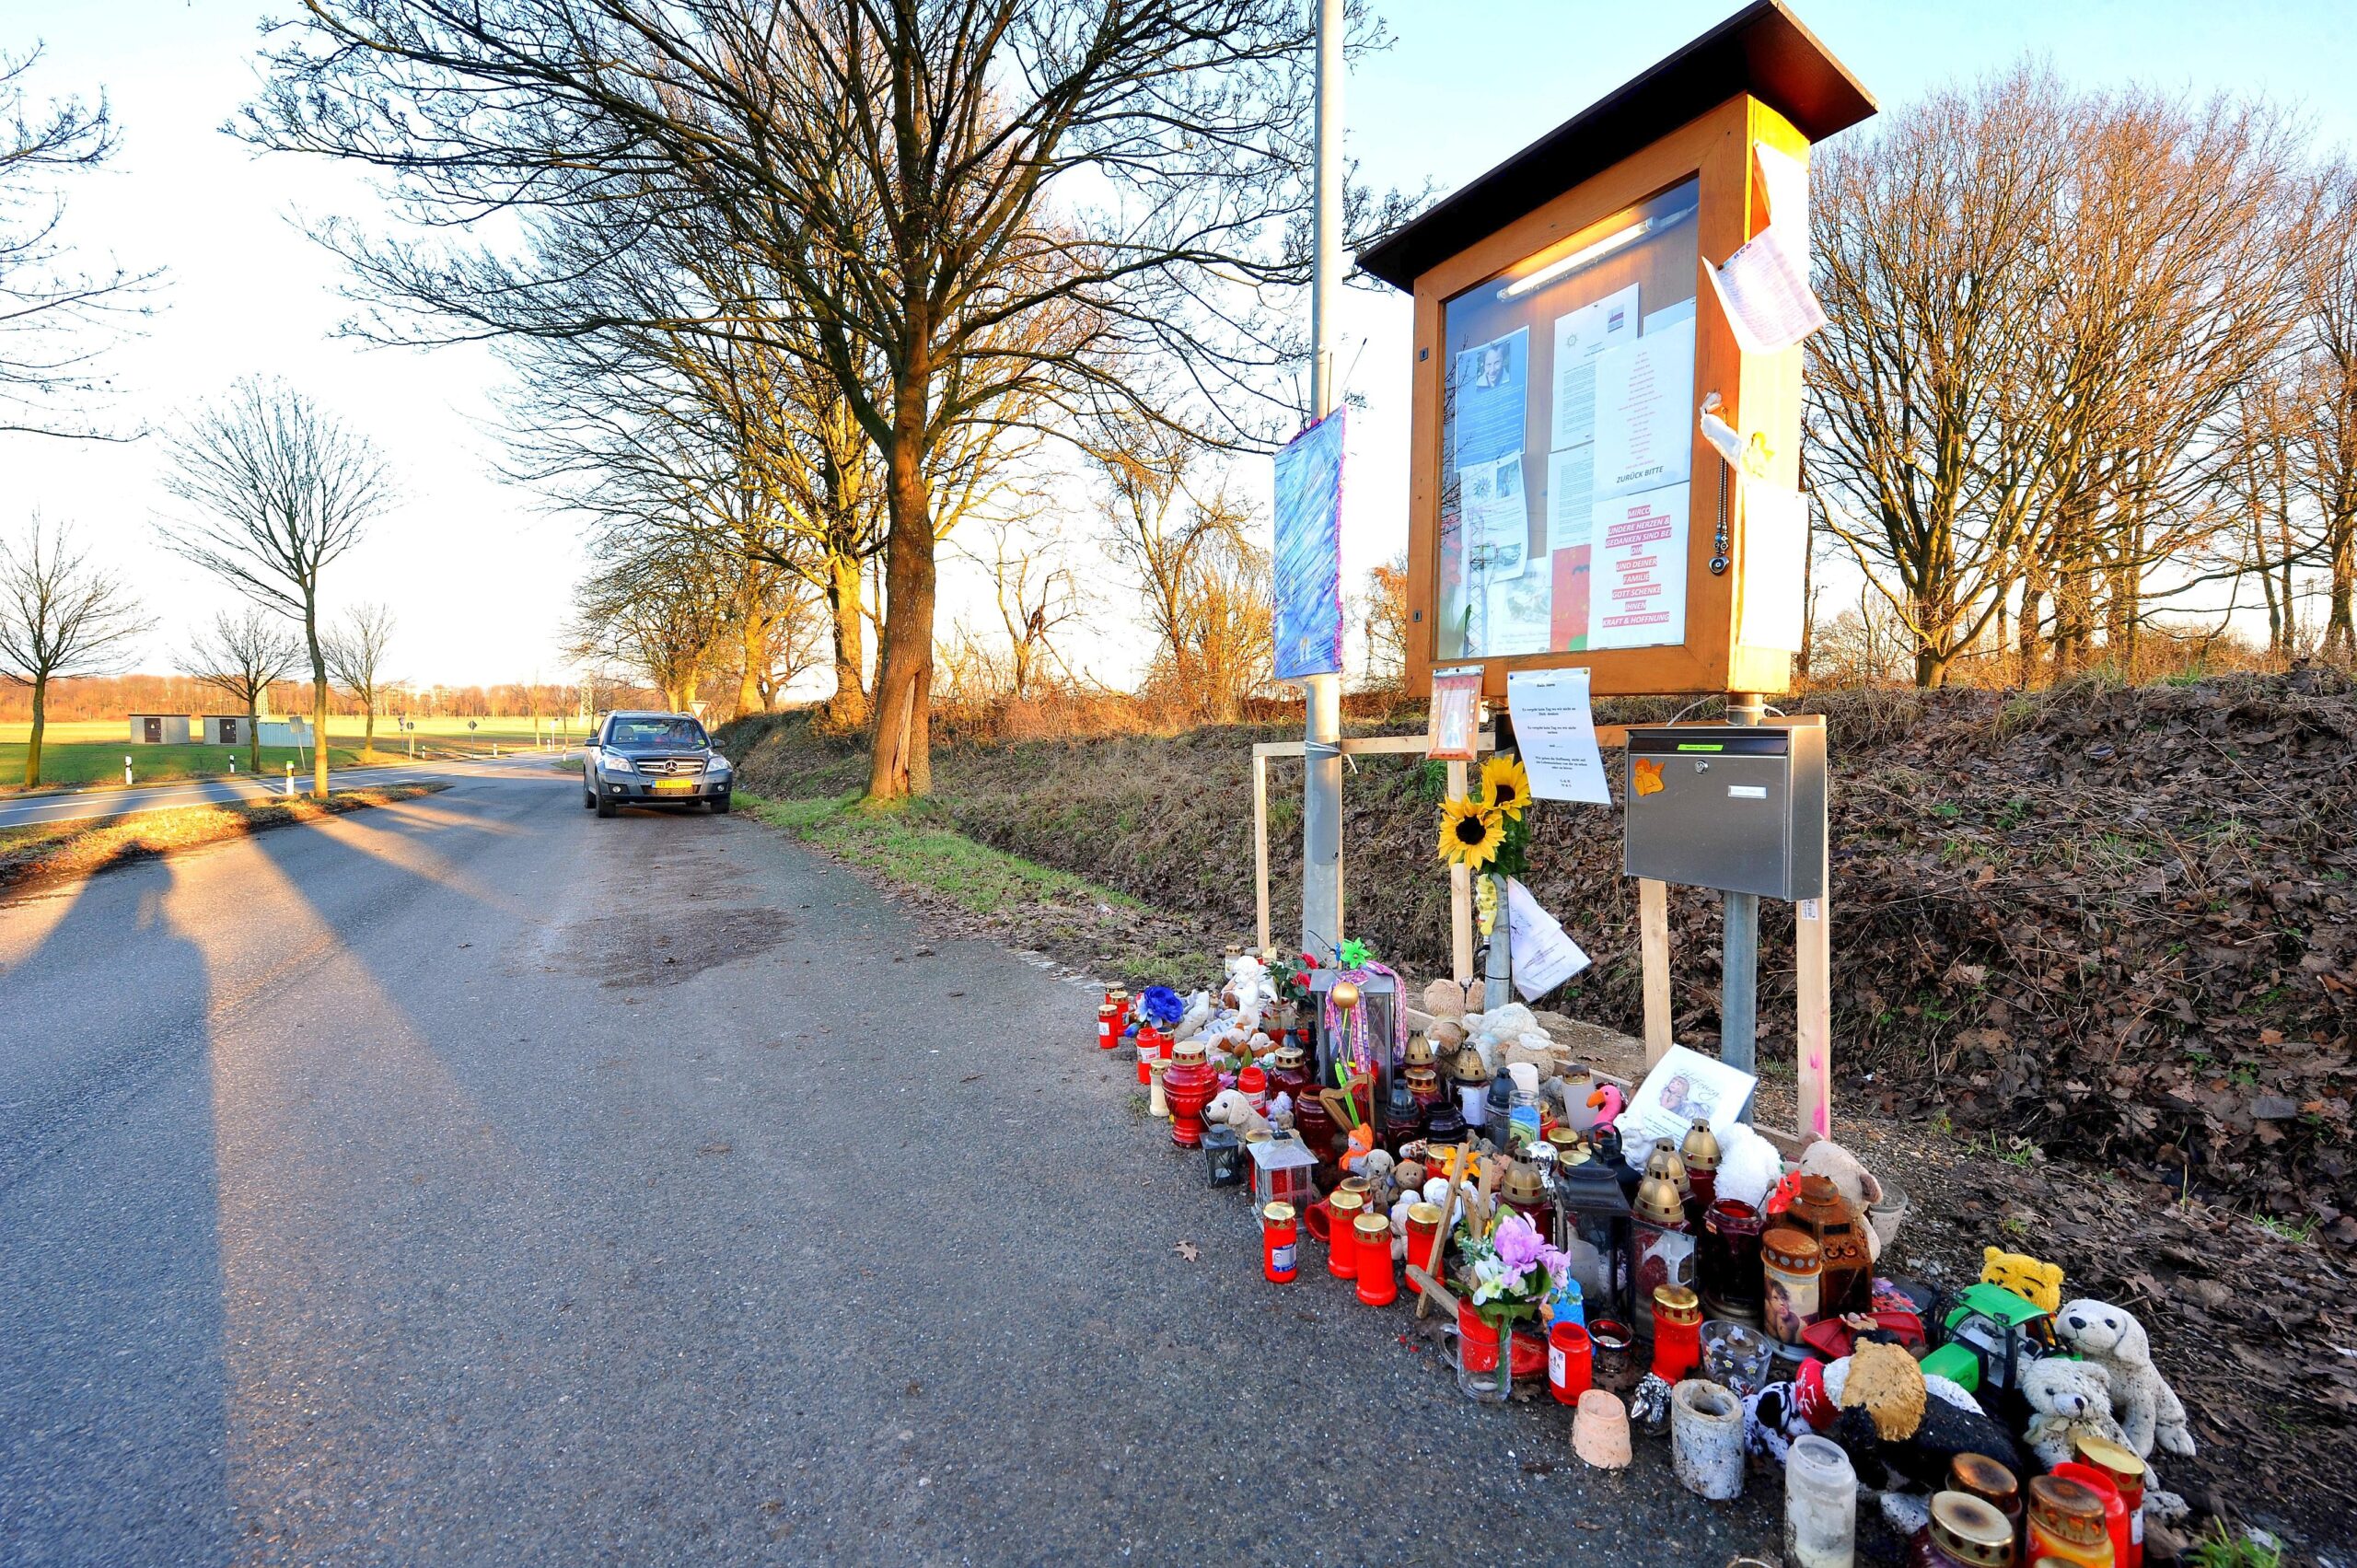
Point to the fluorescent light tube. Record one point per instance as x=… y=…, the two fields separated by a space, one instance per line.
x=1588 y=255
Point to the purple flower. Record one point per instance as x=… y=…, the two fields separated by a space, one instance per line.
x=1519 y=1244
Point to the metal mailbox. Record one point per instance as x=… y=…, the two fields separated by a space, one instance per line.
x=1735 y=808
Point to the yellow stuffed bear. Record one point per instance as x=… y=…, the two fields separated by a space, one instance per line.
x=2038 y=1283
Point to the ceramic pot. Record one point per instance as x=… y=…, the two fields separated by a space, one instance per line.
x=1600 y=1430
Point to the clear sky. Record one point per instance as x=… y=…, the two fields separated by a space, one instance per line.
x=480 y=579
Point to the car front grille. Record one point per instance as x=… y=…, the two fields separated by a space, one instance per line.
x=669 y=767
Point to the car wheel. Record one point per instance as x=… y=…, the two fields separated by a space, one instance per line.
x=723 y=804
x=605 y=806
x=588 y=798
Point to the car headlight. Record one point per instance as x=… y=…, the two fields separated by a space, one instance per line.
x=617 y=764
x=717 y=765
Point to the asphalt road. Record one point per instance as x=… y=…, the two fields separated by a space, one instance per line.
x=80 y=805
x=472 y=1181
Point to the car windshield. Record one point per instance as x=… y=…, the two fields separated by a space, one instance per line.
x=655 y=732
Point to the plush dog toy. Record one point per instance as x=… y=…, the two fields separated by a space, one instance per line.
x=2145 y=1405
x=1231 y=1109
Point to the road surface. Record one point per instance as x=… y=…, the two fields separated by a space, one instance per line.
x=76 y=804
x=471 y=1182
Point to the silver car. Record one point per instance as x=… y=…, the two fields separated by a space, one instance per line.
x=654 y=760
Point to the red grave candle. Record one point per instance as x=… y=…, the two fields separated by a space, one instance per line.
x=1279 y=1242
x=1677 y=1332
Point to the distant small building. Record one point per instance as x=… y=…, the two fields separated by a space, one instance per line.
x=286 y=732
x=159 y=729
x=226 y=729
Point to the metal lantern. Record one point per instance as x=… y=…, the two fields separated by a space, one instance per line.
x=1366 y=1004
x=1592 y=1225
x=1224 y=1155
x=1662 y=1248
x=1282 y=1171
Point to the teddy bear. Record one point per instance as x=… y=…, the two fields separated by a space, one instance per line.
x=2038 y=1283
x=2066 y=1398
x=1856 y=1183
x=2145 y=1405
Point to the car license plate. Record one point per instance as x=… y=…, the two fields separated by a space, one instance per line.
x=675 y=786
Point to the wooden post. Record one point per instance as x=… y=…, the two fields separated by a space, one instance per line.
x=1260 y=841
x=1653 y=946
x=1812 y=984
x=1460 y=900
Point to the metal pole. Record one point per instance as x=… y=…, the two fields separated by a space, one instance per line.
x=1739 y=950
x=1321 y=802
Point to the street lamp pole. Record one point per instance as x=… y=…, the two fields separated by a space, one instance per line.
x=1321 y=805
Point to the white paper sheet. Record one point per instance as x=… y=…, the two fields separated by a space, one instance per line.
x=1637 y=592
x=1775 y=558
x=1497 y=520
x=1554 y=729
x=1764 y=285
x=1571 y=496
x=1580 y=336
x=1520 y=613
x=1645 y=402
x=1670 y=315
x=1683 y=1085
x=1543 y=953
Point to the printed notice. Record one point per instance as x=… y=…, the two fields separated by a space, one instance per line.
x=1637 y=586
x=1518 y=621
x=1497 y=520
x=1644 y=412
x=1571 y=496
x=1554 y=729
x=1581 y=337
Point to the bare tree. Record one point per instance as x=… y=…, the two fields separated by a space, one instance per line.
x=356 y=655
x=2329 y=444
x=968 y=201
x=282 y=490
x=1037 y=594
x=60 y=615
x=1385 y=622
x=240 y=655
x=56 y=318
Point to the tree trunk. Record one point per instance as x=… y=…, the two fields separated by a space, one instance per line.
x=40 y=722
x=253 y=731
x=849 y=705
x=755 y=643
x=2340 y=628
x=901 y=762
x=319 y=697
x=368 y=721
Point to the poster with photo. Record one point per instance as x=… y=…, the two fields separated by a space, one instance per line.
x=1493 y=399
x=1520 y=613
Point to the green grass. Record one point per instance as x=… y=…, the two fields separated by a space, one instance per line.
x=83 y=761
x=919 y=851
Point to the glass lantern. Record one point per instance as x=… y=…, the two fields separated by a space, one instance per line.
x=1224 y=1155
x=1377 y=1007
x=1282 y=1173
x=1592 y=1225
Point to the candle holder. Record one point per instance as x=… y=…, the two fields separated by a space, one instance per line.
x=1678 y=1333
x=1189 y=1084
x=1594 y=1226
x=1157 y=1101
x=1726 y=1263
x=1378 y=1283
x=1663 y=1245
x=1281 y=1174
x=1342 y=1211
x=1280 y=1243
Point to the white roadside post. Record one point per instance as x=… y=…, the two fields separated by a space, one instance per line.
x=1321 y=752
x=126 y=767
x=290 y=780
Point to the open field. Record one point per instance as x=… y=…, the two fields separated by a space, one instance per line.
x=90 y=751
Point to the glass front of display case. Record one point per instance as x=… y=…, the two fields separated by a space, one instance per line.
x=1567 y=438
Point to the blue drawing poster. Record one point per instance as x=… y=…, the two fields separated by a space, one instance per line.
x=1309 y=552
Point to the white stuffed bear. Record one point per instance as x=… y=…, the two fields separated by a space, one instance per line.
x=2145 y=1405
x=2067 y=1397
x=1748 y=1165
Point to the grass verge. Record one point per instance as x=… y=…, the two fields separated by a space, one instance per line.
x=50 y=851
x=910 y=850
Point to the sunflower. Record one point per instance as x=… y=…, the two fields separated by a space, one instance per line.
x=1470 y=833
x=1505 y=787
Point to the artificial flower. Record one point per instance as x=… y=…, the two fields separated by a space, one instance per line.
x=1161 y=1006
x=1470 y=833
x=1506 y=785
